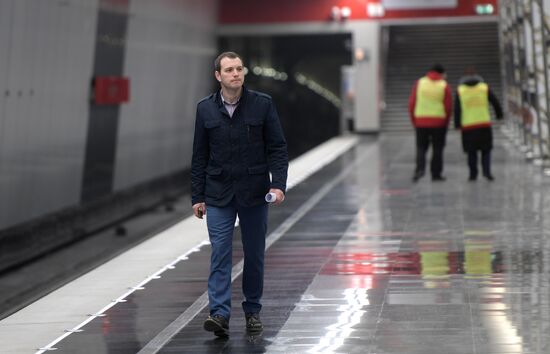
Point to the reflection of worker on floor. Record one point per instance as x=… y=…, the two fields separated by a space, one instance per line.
x=435 y=269
x=434 y=260
x=477 y=258
x=435 y=263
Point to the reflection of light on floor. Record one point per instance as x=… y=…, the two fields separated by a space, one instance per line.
x=503 y=335
x=351 y=314
x=362 y=217
x=480 y=232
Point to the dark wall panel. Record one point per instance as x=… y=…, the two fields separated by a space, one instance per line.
x=308 y=117
x=99 y=163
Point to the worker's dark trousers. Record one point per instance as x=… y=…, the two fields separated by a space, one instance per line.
x=485 y=162
x=436 y=138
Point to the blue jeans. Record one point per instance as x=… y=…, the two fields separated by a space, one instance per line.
x=221 y=224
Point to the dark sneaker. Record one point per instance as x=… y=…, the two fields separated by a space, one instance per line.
x=217 y=324
x=253 y=323
x=438 y=178
x=489 y=177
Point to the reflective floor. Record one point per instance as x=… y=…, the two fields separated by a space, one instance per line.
x=376 y=264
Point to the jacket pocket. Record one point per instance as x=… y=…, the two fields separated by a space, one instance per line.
x=214 y=171
x=215 y=183
x=255 y=131
x=257 y=183
x=215 y=132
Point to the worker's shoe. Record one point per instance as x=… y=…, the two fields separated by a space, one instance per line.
x=253 y=323
x=417 y=175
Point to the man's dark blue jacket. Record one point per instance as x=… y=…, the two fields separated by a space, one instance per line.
x=233 y=156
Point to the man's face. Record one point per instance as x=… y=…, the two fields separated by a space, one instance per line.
x=231 y=74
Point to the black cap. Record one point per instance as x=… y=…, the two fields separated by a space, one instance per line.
x=438 y=68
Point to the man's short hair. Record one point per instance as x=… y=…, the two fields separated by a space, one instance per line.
x=438 y=68
x=230 y=55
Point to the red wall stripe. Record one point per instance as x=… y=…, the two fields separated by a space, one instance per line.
x=277 y=11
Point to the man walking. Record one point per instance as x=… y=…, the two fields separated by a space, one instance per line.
x=238 y=142
x=430 y=105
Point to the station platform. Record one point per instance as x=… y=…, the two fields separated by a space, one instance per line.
x=359 y=260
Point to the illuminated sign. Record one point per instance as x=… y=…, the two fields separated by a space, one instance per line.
x=485 y=9
x=418 y=4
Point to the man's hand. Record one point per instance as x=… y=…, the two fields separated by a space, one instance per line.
x=280 y=196
x=199 y=210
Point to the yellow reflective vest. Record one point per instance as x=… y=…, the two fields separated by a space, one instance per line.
x=474 y=105
x=430 y=95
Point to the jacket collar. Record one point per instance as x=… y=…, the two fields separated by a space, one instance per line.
x=470 y=80
x=434 y=75
x=219 y=101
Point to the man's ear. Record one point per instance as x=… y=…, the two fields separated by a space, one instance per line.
x=218 y=76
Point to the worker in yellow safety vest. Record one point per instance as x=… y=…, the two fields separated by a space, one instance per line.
x=473 y=117
x=430 y=106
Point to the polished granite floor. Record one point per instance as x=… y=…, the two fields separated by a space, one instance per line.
x=374 y=264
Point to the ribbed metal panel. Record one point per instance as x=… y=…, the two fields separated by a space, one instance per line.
x=414 y=48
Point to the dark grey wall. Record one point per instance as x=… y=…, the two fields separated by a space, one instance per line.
x=308 y=112
x=46 y=56
x=101 y=137
x=170 y=50
x=56 y=148
x=69 y=167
